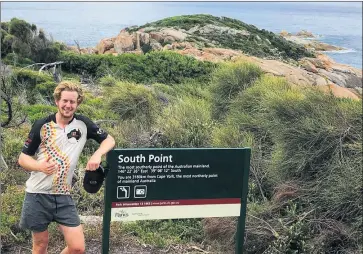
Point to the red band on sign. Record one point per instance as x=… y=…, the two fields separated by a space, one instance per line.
x=220 y=201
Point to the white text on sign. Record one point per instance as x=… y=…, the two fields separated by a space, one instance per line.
x=141 y=158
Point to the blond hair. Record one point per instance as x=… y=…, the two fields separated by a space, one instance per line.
x=68 y=86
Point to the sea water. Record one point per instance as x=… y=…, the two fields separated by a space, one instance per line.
x=336 y=23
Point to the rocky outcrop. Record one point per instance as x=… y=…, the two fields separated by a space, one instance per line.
x=305 y=34
x=124 y=42
x=321 y=71
x=309 y=41
x=338 y=91
x=105 y=45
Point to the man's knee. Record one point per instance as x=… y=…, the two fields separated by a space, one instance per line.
x=77 y=249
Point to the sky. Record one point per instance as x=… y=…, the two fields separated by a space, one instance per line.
x=130 y=13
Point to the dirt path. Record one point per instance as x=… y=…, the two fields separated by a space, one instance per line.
x=95 y=247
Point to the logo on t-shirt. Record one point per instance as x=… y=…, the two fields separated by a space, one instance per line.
x=29 y=140
x=100 y=131
x=75 y=133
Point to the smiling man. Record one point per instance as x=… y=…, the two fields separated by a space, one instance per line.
x=56 y=142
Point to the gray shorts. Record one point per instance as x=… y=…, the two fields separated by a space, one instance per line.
x=39 y=210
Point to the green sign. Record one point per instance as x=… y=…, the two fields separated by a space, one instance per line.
x=149 y=184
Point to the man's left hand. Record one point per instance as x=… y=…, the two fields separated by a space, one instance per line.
x=94 y=162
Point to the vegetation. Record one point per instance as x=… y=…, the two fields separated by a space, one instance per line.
x=154 y=67
x=305 y=191
x=253 y=41
x=22 y=44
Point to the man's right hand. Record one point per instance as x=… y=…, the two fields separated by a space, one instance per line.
x=47 y=166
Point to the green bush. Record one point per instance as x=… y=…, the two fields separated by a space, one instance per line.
x=28 y=80
x=161 y=233
x=20 y=29
x=23 y=39
x=154 y=67
x=11 y=205
x=316 y=126
x=17 y=60
x=96 y=108
x=186 y=123
x=129 y=101
x=132 y=133
x=107 y=81
x=12 y=144
x=46 y=89
x=248 y=110
x=228 y=81
x=304 y=138
x=231 y=136
x=6 y=42
x=38 y=111
x=169 y=94
x=31 y=78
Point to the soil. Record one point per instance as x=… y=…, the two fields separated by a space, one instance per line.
x=95 y=247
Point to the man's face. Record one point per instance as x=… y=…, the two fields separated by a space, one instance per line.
x=67 y=104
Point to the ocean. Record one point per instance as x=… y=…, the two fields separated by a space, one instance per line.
x=336 y=23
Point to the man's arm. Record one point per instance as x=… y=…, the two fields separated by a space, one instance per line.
x=105 y=146
x=30 y=164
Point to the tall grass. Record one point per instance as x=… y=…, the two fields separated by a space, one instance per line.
x=227 y=81
x=186 y=123
x=308 y=148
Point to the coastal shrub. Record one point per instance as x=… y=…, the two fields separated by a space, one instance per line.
x=168 y=94
x=172 y=68
x=11 y=205
x=227 y=81
x=248 y=110
x=162 y=233
x=16 y=60
x=184 y=22
x=130 y=100
x=6 y=42
x=231 y=136
x=12 y=143
x=340 y=194
x=76 y=63
x=154 y=67
x=38 y=111
x=46 y=89
x=95 y=108
x=30 y=78
x=108 y=81
x=299 y=135
x=316 y=126
x=187 y=123
x=24 y=39
x=20 y=29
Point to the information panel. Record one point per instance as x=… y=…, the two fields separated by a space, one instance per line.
x=149 y=184
x=146 y=184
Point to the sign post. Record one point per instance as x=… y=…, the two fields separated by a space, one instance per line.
x=151 y=184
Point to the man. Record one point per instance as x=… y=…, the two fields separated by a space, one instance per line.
x=57 y=141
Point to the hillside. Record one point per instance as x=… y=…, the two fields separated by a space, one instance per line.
x=217 y=39
x=206 y=31
x=223 y=32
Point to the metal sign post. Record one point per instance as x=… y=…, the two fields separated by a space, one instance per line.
x=153 y=184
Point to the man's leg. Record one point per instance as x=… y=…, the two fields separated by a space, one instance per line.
x=74 y=238
x=40 y=242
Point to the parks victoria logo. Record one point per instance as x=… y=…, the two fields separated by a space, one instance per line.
x=121 y=214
